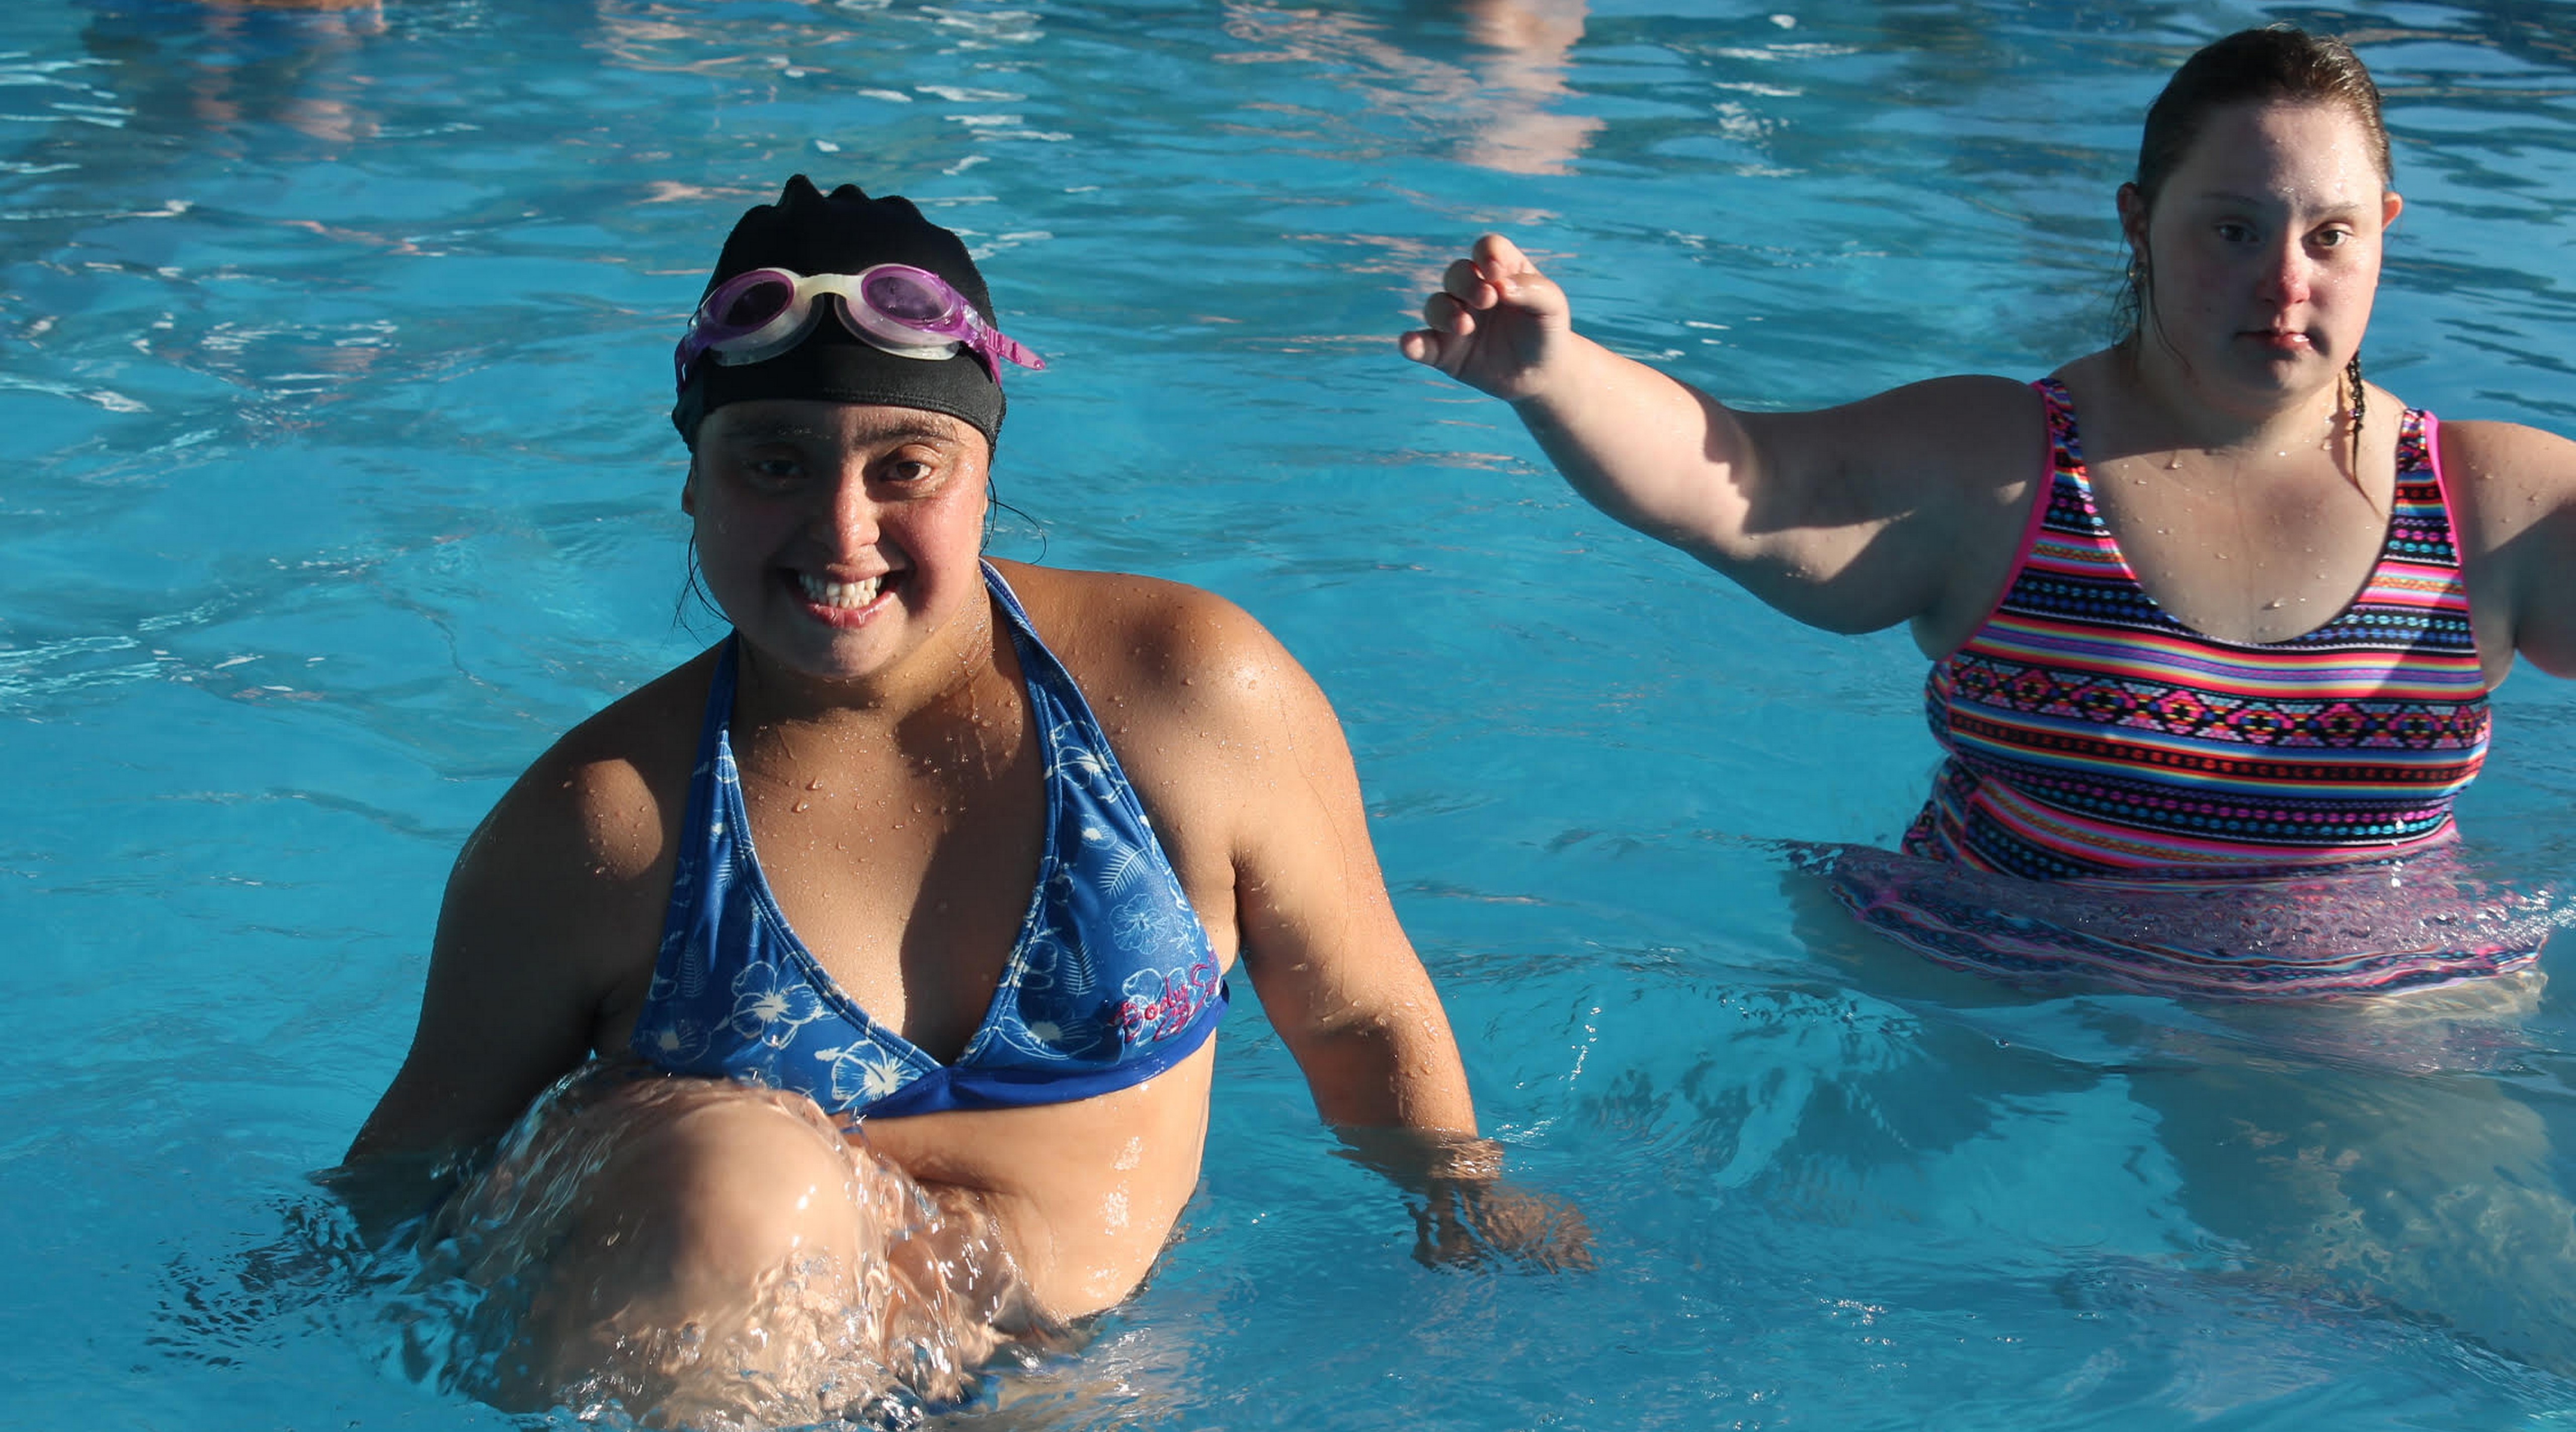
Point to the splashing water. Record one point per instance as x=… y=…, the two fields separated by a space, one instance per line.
x=495 y=1293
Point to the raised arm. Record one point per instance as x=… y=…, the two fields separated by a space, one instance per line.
x=2513 y=497
x=1854 y=518
x=544 y=899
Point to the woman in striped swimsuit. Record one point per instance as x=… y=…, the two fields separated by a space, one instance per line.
x=2213 y=621
x=2206 y=603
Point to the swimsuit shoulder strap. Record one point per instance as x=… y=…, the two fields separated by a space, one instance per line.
x=1096 y=816
x=2065 y=444
x=1064 y=717
x=2422 y=553
x=2064 y=533
x=699 y=866
x=2423 y=492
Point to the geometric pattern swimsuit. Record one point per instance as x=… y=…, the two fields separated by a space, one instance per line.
x=1111 y=981
x=2089 y=733
x=2128 y=801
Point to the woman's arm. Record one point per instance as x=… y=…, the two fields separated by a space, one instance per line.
x=546 y=896
x=1854 y=518
x=1335 y=973
x=1333 y=969
x=2512 y=491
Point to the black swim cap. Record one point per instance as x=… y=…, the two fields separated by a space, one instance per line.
x=810 y=232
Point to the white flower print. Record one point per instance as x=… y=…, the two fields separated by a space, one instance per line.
x=770 y=1004
x=1094 y=770
x=1046 y=966
x=675 y=1044
x=1147 y=924
x=863 y=1073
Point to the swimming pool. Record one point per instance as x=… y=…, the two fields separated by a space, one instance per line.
x=332 y=351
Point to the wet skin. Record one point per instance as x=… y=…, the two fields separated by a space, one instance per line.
x=2221 y=450
x=2226 y=465
x=2219 y=435
x=896 y=799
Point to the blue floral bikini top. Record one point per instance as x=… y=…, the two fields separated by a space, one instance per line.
x=1111 y=982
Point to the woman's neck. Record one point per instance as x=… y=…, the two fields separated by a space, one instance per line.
x=945 y=677
x=2173 y=406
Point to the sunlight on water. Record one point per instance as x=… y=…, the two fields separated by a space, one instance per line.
x=335 y=349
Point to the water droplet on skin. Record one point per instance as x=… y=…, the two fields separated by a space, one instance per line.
x=815 y=784
x=802 y=806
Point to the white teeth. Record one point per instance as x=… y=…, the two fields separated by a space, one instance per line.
x=844 y=595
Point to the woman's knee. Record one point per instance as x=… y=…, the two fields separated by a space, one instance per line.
x=730 y=1186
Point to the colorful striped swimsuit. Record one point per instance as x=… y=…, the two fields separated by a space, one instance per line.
x=2170 y=784
x=2090 y=733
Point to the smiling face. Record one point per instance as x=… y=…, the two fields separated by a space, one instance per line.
x=839 y=538
x=2263 y=250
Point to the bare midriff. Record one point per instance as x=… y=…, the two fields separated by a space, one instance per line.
x=1084 y=1193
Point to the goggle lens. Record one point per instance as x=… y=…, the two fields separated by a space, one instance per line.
x=899 y=295
x=766 y=297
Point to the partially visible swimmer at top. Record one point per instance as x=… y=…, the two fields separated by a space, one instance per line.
x=2207 y=608
x=885 y=942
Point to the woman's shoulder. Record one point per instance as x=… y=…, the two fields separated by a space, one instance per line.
x=1165 y=650
x=2512 y=494
x=2506 y=472
x=609 y=788
x=1147 y=628
x=2501 y=444
x=2504 y=478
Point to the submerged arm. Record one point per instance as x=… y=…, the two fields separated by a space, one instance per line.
x=1337 y=976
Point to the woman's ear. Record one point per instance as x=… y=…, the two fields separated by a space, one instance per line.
x=2133 y=220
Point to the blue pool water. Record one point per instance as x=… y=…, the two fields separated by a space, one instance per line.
x=333 y=356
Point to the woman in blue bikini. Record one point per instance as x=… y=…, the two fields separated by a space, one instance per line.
x=1013 y=826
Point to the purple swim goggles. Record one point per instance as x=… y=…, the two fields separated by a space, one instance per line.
x=895 y=308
